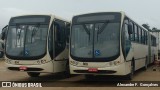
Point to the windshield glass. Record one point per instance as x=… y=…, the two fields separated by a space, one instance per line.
x=95 y=36
x=106 y=41
x=81 y=42
x=26 y=40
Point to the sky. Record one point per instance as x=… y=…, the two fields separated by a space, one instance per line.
x=141 y=11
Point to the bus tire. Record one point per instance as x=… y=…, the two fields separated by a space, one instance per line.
x=130 y=75
x=154 y=58
x=146 y=64
x=33 y=74
x=67 y=71
x=89 y=77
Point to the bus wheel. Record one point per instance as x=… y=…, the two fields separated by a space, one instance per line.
x=33 y=74
x=89 y=77
x=67 y=71
x=146 y=65
x=130 y=75
x=154 y=58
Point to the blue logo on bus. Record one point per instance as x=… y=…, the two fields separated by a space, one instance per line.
x=26 y=52
x=97 y=52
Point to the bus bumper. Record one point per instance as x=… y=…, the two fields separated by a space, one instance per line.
x=122 y=69
x=42 y=68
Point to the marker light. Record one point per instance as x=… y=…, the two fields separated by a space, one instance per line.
x=74 y=63
x=114 y=63
x=41 y=61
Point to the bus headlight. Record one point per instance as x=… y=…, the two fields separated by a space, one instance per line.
x=74 y=63
x=116 y=62
x=41 y=61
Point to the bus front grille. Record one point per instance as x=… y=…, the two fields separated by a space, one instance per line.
x=28 y=69
x=99 y=71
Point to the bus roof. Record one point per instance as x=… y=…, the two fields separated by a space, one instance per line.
x=121 y=12
x=99 y=12
x=51 y=15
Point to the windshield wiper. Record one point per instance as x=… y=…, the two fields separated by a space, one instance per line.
x=88 y=32
x=19 y=30
x=34 y=31
x=102 y=28
x=18 y=33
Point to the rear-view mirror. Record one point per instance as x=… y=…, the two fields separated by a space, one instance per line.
x=130 y=29
x=4 y=32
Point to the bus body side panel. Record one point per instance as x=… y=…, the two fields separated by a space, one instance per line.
x=60 y=61
x=140 y=53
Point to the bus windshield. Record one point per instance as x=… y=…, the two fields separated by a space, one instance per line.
x=26 y=40
x=27 y=37
x=95 y=39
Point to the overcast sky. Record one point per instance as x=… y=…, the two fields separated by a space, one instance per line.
x=141 y=11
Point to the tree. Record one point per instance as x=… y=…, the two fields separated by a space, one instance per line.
x=146 y=26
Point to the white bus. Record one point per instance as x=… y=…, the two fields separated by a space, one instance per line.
x=109 y=43
x=37 y=44
x=1 y=49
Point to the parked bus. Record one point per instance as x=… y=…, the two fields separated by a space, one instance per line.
x=109 y=43
x=1 y=49
x=37 y=44
x=4 y=33
x=2 y=40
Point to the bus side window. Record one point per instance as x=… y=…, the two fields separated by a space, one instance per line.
x=60 y=41
x=151 y=40
x=155 y=44
x=146 y=38
x=135 y=32
x=126 y=32
x=131 y=36
x=139 y=29
x=126 y=38
x=143 y=37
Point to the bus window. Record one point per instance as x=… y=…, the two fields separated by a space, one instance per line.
x=136 y=34
x=146 y=38
x=143 y=37
x=127 y=39
x=60 y=43
x=139 y=29
x=132 y=36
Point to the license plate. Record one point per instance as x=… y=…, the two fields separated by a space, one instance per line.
x=92 y=70
x=22 y=68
